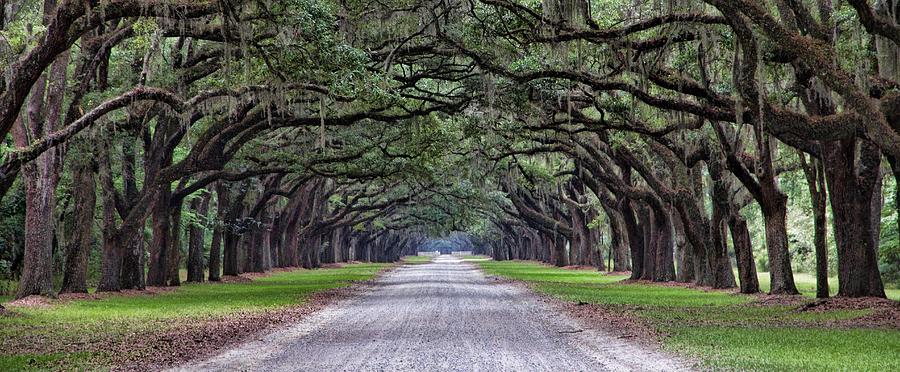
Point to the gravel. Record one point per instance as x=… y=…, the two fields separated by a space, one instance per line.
x=441 y=316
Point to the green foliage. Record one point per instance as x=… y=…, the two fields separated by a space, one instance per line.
x=12 y=236
x=22 y=33
x=889 y=250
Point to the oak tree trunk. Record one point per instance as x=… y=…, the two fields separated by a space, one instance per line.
x=41 y=175
x=196 y=233
x=158 y=265
x=648 y=229
x=851 y=188
x=815 y=182
x=774 y=208
x=215 y=247
x=173 y=263
x=111 y=249
x=133 y=261
x=635 y=238
x=683 y=254
x=84 y=188
x=724 y=276
x=664 y=262
x=743 y=250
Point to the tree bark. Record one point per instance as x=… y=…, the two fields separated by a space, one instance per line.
x=215 y=247
x=196 y=232
x=635 y=238
x=648 y=229
x=664 y=261
x=851 y=187
x=133 y=261
x=230 y=264
x=258 y=248
x=780 y=272
x=234 y=231
x=276 y=236
x=41 y=175
x=743 y=250
x=111 y=251
x=310 y=253
x=684 y=255
x=158 y=265
x=173 y=257
x=721 y=264
x=84 y=194
x=815 y=182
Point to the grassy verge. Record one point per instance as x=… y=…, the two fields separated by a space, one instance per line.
x=722 y=330
x=49 y=337
x=416 y=260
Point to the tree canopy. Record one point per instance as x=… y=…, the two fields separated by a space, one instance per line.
x=673 y=139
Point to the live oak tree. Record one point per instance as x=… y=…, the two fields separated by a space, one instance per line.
x=239 y=136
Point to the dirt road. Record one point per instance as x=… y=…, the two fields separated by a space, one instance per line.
x=442 y=316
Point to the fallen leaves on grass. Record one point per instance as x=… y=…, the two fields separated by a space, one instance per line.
x=612 y=320
x=34 y=301
x=846 y=303
x=202 y=338
x=149 y=291
x=763 y=299
x=333 y=265
x=243 y=278
x=689 y=285
x=624 y=273
x=885 y=313
x=580 y=267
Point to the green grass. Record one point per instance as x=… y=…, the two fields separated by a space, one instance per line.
x=637 y=294
x=416 y=260
x=892 y=293
x=53 y=361
x=722 y=330
x=806 y=284
x=86 y=321
x=791 y=349
x=536 y=272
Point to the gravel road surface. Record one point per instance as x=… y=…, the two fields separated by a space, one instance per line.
x=441 y=316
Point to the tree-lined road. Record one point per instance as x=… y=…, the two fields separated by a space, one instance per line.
x=445 y=315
